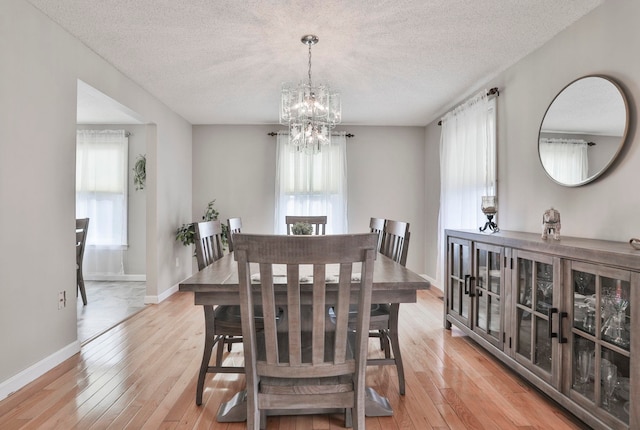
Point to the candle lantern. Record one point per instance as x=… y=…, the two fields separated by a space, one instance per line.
x=489 y=208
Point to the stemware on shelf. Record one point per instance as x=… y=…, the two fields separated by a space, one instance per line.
x=609 y=379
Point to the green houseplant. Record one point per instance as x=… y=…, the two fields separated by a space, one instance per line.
x=302 y=228
x=186 y=233
x=140 y=172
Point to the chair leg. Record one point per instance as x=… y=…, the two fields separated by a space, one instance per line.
x=220 y=350
x=382 y=339
x=254 y=415
x=395 y=344
x=209 y=343
x=384 y=334
x=81 y=288
x=348 y=418
x=263 y=419
x=229 y=344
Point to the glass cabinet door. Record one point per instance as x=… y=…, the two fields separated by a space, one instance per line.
x=600 y=308
x=459 y=279
x=486 y=291
x=537 y=317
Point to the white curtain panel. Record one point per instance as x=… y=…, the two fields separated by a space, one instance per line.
x=101 y=196
x=566 y=160
x=467 y=168
x=312 y=184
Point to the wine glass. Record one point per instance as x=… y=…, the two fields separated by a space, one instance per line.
x=584 y=365
x=609 y=380
x=614 y=314
x=545 y=294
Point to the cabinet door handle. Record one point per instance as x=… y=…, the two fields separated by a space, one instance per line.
x=472 y=289
x=550 y=315
x=466 y=284
x=561 y=338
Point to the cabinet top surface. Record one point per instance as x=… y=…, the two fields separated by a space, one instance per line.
x=619 y=254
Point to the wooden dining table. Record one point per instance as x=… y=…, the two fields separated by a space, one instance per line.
x=217 y=284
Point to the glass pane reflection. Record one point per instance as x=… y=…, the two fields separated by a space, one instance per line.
x=524 y=333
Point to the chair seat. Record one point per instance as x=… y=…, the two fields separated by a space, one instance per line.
x=229 y=321
x=305 y=339
x=380 y=314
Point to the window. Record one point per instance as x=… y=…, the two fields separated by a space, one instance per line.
x=566 y=160
x=101 y=186
x=312 y=184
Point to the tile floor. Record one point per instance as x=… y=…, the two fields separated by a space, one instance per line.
x=108 y=304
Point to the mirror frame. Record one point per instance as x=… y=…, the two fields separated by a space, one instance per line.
x=623 y=138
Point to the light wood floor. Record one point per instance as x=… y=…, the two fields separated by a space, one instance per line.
x=142 y=374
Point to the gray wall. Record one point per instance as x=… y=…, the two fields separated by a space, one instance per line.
x=41 y=64
x=603 y=42
x=385 y=167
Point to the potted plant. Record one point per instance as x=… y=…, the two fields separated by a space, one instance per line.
x=186 y=233
x=302 y=228
x=140 y=172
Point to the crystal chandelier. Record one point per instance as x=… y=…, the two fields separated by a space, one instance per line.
x=310 y=112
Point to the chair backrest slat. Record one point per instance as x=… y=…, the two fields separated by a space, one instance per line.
x=235 y=226
x=208 y=242
x=376 y=225
x=317 y=222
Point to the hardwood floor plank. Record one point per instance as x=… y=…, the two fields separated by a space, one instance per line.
x=466 y=416
x=142 y=374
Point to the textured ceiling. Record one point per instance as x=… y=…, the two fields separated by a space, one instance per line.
x=395 y=62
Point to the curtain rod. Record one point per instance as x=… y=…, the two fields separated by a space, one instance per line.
x=492 y=92
x=584 y=141
x=275 y=133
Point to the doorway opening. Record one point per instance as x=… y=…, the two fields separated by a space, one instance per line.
x=114 y=265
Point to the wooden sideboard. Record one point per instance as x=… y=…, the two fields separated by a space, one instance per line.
x=558 y=312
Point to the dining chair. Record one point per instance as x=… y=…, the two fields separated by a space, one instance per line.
x=317 y=222
x=384 y=316
x=208 y=242
x=82 y=226
x=234 y=226
x=222 y=323
x=303 y=361
x=376 y=225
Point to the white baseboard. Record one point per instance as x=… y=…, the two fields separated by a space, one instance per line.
x=28 y=375
x=165 y=294
x=121 y=278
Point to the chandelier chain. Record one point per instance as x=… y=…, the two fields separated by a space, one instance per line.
x=309 y=65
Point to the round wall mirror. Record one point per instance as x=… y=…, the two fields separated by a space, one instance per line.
x=583 y=130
